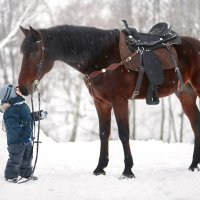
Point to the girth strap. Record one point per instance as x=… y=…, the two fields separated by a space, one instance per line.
x=139 y=80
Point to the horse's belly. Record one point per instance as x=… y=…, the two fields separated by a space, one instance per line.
x=168 y=87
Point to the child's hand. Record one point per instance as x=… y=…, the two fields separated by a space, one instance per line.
x=39 y=115
x=43 y=114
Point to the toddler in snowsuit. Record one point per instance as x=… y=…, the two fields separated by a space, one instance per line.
x=18 y=123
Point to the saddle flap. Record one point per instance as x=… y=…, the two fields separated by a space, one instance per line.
x=153 y=67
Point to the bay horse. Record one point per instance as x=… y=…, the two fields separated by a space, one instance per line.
x=90 y=49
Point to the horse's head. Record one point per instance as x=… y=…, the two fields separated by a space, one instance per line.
x=35 y=62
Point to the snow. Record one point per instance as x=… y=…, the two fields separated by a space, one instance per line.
x=65 y=172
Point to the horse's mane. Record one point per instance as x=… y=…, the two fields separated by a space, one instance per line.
x=75 y=40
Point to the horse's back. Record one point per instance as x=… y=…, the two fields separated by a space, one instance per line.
x=188 y=45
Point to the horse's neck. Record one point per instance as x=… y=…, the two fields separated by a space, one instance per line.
x=78 y=61
x=81 y=56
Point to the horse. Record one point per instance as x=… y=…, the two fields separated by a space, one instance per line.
x=91 y=50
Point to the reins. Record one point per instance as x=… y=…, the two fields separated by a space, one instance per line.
x=34 y=134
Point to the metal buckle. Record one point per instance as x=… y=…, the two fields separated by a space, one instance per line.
x=128 y=59
x=135 y=93
x=36 y=82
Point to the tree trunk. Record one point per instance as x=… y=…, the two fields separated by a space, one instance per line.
x=76 y=115
x=172 y=118
x=133 y=120
x=162 y=119
x=181 y=126
x=156 y=11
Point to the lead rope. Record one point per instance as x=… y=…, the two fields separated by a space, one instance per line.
x=38 y=133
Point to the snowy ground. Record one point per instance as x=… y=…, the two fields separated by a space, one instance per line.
x=65 y=173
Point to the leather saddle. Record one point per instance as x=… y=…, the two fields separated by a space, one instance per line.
x=147 y=46
x=158 y=36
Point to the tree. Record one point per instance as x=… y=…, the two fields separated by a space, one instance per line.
x=76 y=115
x=181 y=126
x=162 y=125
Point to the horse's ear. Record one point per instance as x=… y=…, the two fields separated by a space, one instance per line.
x=36 y=34
x=24 y=30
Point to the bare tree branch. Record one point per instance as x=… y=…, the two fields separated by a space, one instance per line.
x=15 y=29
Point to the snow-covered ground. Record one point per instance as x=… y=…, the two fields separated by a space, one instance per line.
x=65 y=173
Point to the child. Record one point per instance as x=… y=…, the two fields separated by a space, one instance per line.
x=19 y=126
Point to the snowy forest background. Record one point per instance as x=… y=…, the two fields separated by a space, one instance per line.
x=72 y=115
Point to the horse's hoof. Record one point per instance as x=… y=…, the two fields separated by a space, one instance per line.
x=191 y=168
x=99 y=172
x=127 y=176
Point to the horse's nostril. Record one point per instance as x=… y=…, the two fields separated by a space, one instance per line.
x=23 y=90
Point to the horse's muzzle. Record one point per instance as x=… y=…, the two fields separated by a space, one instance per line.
x=23 y=90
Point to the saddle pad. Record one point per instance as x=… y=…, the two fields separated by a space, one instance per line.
x=134 y=63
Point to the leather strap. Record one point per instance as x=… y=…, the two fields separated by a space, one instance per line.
x=109 y=68
x=139 y=80
x=177 y=71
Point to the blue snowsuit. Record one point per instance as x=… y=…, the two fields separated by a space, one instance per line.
x=19 y=125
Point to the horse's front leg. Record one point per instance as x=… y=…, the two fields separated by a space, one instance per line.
x=104 y=114
x=120 y=107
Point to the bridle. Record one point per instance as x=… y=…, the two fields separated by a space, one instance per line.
x=39 y=65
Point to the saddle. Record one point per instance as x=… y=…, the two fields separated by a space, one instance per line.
x=150 y=53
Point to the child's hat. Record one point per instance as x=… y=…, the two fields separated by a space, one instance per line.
x=7 y=92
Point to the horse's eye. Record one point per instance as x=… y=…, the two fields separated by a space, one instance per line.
x=33 y=54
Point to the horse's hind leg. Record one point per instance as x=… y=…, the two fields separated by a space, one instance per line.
x=188 y=101
x=104 y=114
x=121 y=113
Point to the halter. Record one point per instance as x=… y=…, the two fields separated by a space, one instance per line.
x=39 y=65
